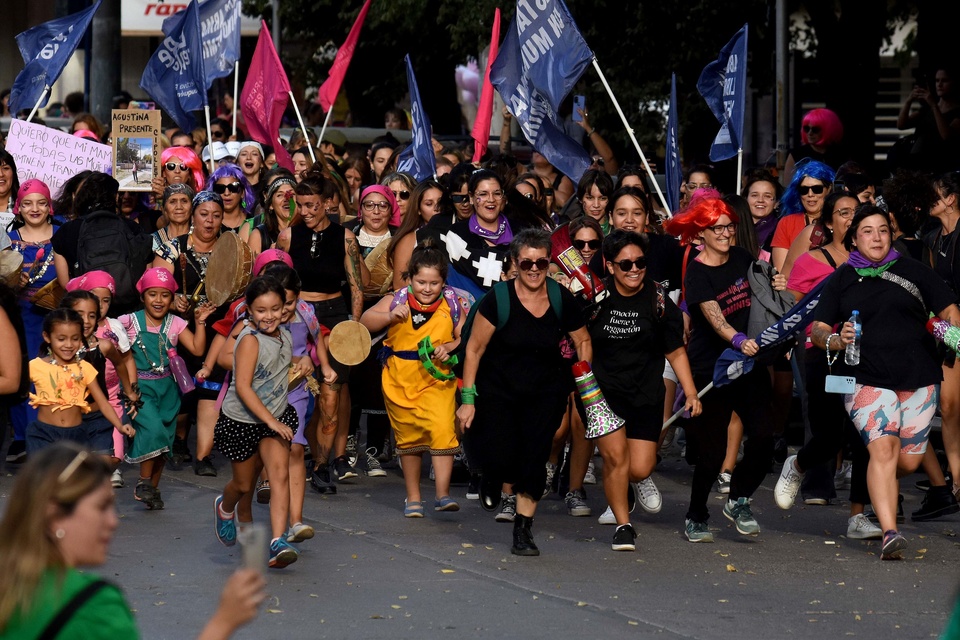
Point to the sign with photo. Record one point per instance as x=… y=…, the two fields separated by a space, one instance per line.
x=136 y=148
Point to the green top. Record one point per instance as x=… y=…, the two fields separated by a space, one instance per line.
x=952 y=632
x=105 y=615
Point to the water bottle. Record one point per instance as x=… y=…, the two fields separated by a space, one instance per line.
x=852 y=357
x=179 y=370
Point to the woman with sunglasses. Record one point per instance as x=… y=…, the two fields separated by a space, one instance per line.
x=821 y=134
x=279 y=210
x=718 y=298
x=457 y=183
x=231 y=185
x=516 y=381
x=800 y=205
x=179 y=165
x=402 y=185
x=424 y=203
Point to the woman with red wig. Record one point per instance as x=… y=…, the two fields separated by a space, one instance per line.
x=821 y=133
x=718 y=300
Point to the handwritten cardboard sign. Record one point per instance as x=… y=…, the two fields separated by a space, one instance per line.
x=136 y=148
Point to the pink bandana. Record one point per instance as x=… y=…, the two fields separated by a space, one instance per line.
x=93 y=280
x=32 y=186
x=271 y=255
x=157 y=277
x=386 y=193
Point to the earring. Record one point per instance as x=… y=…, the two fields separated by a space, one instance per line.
x=60 y=533
x=243 y=204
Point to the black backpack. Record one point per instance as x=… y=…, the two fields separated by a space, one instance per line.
x=108 y=243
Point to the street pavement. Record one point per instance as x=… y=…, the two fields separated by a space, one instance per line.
x=371 y=573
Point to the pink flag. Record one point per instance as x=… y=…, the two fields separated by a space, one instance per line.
x=264 y=96
x=329 y=89
x=481 y=126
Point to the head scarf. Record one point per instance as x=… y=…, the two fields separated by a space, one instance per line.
x=30 y=187
x=93 y=280
x=386 y=193
x=189 y=158
x=207 y=196
x=255 y=145
x=157 y=278
x=271 y=255
x=86 y=133
x=178 y=188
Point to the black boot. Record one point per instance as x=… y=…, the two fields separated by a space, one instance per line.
x=937 y=502
x=523 y=544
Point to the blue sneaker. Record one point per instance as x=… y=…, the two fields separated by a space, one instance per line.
x=226 y=529
x=282 y=554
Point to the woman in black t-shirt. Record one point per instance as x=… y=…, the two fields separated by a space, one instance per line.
x=718 y=298
x=634 y=327
x=898 y=375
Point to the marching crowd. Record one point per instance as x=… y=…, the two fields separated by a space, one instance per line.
x=268 y=309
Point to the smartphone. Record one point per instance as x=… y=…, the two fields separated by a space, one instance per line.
x=579 y=104
x=254 y=547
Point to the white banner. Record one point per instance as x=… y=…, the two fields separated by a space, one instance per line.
x=145 y=17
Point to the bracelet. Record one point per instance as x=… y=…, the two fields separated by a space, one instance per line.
x=591 y=132
x=201 y=324
x=738 y=339
x=468 y=395
x=836 y=354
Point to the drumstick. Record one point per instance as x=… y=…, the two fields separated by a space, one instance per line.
x=195 y=298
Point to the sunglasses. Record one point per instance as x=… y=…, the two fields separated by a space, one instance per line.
x=815 y=188
x=580 y=245
x=808 y=129
x=218 y=134
x=172 y=166
x=526 y=264
x=459 y=199
x=233 y=187
x=401 y=195
x=627 y=265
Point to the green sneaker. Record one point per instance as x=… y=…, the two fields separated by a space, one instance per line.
x=697 y=531
x=740 y=514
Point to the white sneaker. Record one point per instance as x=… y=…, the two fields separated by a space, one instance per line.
x=590 y=477
x=723 y=482
x=648 y=496
x=607 y=517
x=787 y=484
x=859 y=527
x=842 y=477
x=116 y=479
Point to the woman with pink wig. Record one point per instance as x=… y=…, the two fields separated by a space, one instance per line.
x=821 y=133
x=179 y=165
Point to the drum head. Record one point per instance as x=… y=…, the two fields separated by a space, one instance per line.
x=224 y=270
x=11 y=266
x=349 y=343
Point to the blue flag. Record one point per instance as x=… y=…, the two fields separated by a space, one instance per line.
x=723 y=84
x=418 y=158
x=674 y=173
x=220 y=33
x=46 y=49
x=541 y=58
x=174 y=75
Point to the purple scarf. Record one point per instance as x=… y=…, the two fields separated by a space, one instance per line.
x=866 y=268
x=503 y=234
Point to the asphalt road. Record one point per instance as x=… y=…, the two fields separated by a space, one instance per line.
x=370 y=573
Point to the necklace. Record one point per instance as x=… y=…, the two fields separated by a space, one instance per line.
x=77 y=377
x=155 y=367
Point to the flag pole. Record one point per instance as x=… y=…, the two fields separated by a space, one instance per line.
x=206 y=112
x=236 y=88
x=303 y=128
x=633 y=138
x=43 y=96
x=323 y=129
x=675 y=416
x=739 y=170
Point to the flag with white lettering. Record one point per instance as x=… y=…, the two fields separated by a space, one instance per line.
x=418 y=158
x=174 y=76
x=219 y=32
x=46 y=49
x=723 y=84
x=541 y=58
x=674 y=173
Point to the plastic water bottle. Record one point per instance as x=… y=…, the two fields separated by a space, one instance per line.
x=179 y=370
x=852 y=356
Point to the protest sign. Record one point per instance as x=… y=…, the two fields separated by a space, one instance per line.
x=53 y=156
x=136 y=148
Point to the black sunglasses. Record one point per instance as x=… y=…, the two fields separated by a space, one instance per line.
x=808 y=129
x=580 y=245
x=815 y=188
x=627 y=265
x=218 y=134
x=402 y=195
x=459 y=199
x=527 y=264
x=172 y=166
x=233 y=187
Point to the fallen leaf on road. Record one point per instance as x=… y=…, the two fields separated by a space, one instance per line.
x=447 y=571
x=467 y=545
x=633 y=622
x=394 y=606
x=401 y=597
x=731 y=568
x=581 y=604
x=274 y=611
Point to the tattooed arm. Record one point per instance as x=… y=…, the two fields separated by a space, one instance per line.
x=820 y=332
x=351 y=262
x=713 y=314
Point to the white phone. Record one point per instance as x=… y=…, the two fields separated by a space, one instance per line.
x=840 y=384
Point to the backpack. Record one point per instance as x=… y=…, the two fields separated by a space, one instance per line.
x=107 y=243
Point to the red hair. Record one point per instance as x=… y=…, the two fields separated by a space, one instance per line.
x=831 y=129
x=702 y=213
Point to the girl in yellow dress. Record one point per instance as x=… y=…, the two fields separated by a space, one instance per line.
x=419 y=393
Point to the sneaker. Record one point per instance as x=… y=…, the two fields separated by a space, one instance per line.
x=321 y=481
x=723 y=482
x=116 y=480
x=299 y=532
x=374 y=470
x=412 y=509
x=787 y=484
x=473 y=487
x=607 y=517
x=225 y=528
x=351 y=451
x=446 y=503
x=624 y=538
x=156 y=502
x=263 y=491
x=180 y=453
x=893 y=545
x=668 y=439
x=841 y=479
x=697 y=531
x=590 y=476
x=204 y=467
x=648 y=496
x=859 y=527
x=576 y=502
x=145 y=492
x=282 y=554
x=816 y=501
x=508 y=508
x=740 y=514
x=17 y=453
x=937 y=502
x=343 y=470
x=551 y=472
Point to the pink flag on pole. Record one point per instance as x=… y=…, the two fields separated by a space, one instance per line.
x=264 y=96
x=481 y=126
x=329 y=89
